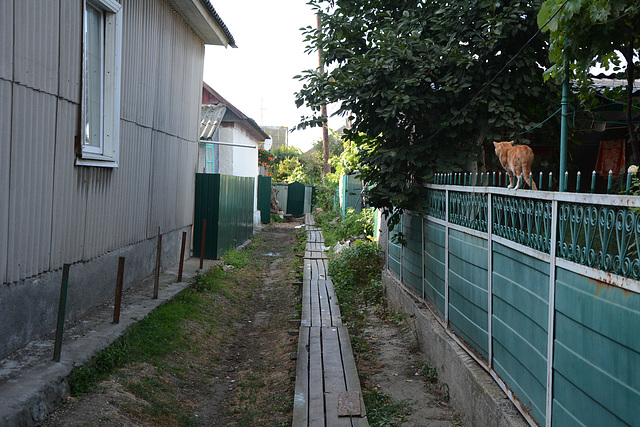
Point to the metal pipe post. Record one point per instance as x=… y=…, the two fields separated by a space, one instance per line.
x=156 y=282
x=204 y=235
x=118 y=302
x=564 y=130
x=184 y=242
x=62 y=306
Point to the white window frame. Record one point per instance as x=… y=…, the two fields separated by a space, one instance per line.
x=108 y=155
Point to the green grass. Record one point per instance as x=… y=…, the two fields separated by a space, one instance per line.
x=148 y=340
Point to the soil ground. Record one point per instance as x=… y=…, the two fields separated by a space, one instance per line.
x=237 y=368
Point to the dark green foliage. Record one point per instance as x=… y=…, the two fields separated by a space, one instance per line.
x=407 y=73
x=337 y=228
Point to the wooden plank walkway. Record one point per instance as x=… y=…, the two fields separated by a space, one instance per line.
x=327 y=390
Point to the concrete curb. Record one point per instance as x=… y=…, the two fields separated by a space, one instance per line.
x=31 y=390
x=472 y=391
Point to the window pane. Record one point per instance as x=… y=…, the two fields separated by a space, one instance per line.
x=93 y=78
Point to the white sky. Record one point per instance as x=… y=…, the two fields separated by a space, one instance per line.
x=257 y=77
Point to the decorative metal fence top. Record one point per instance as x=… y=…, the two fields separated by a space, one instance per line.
x=600 y=231
x=493 y=179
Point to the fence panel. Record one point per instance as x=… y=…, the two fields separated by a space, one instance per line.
x=434 y=265
x=468 y=290
x=541 y=286
x=597 y=353
x=520 y=286
x=264 y=198
x=226 y=202
x=395 y=251
x=412 y=254
x=295 y=201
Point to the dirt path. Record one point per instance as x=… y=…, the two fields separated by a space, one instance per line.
x=237 y=369
x=401 y=372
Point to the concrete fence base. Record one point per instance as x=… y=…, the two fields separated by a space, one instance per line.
x=472 y=391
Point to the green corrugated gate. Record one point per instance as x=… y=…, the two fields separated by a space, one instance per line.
x=226 y=202
x=264 y=198
x=295 y=199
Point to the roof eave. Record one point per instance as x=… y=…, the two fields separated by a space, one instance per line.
x=202 y=18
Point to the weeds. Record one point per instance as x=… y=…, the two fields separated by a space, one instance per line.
x=429 y=372
x=382 y=411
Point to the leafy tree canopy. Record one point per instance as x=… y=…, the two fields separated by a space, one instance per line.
x=410 y=75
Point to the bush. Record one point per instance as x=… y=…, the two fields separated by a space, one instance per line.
x=357 y=266
x=356 y=273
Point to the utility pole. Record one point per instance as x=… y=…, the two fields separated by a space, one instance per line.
x=323 y=108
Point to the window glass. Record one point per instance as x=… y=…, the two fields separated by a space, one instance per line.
x=94 y=33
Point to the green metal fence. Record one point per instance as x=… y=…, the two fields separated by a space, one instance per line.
x=350 y=191
x=541 y=288
x=226 y=203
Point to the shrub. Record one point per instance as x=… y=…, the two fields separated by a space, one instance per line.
x=356 y=275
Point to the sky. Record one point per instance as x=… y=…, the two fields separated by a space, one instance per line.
x=257 y=77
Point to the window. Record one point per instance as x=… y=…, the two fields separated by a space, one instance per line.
x=102 y=49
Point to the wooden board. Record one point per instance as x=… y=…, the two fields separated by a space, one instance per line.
x=333 y=376
x=316 y=382
x=327 y=389
x=301 y=394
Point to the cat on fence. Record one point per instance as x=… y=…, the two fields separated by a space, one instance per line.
x=516 y=159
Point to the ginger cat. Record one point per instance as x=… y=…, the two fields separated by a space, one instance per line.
x=516 y=160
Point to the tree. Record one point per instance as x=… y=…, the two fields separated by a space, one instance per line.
x=587 y=33
x=410 y=74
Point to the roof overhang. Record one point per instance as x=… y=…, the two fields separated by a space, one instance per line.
x=202 y=18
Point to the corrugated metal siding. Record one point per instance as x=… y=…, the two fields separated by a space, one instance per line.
x=63 y=213
x=596 y=353
x=412 y=254
x=6 y=41
x=5 y=169
x=434 y=265
x=140 y=59
x=31 y=187
x=520 y=286
x=70 y=50
x=468 y=290
x=36 y=49
x=135 y=167
x=69 y=196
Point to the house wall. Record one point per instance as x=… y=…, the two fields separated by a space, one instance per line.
x=239 y=161
x=52 y=212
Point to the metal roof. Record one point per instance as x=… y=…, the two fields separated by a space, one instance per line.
x=205 y=22
x=210 y=118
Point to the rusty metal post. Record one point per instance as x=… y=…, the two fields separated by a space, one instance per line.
x=158 y=262
x=118 y=301
x=184 y=242
x=62 y=306
x=204 y=235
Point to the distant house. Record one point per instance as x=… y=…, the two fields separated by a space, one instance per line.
x=229 y=141
x=279 y=135
x=99 y=112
